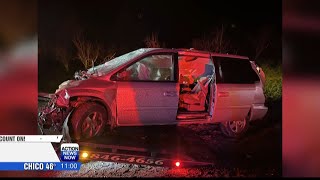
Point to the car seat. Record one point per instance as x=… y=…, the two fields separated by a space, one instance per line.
x=156 y=75
x=143 y=72
x=195 y=100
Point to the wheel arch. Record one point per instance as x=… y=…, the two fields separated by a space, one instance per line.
x=77 y=101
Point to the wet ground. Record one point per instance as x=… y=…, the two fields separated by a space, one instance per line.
x=256 y=154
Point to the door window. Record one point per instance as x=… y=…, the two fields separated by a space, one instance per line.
x=151 y=68
x=234 y=71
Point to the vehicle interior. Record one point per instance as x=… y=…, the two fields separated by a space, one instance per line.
x=151 y=68
x=196 y=74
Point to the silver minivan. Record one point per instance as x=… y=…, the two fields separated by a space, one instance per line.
x=157 y=86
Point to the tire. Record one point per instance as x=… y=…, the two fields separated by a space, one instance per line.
x=89 y=120
x=232 y=129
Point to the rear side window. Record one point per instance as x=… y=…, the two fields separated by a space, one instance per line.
x=234 y=71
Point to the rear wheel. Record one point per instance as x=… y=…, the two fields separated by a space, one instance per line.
x=235 y=129
x=89 y=120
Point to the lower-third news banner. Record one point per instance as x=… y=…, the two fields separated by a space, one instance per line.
x=36 y=153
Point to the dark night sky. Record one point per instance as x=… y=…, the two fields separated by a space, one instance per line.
x=125 y=24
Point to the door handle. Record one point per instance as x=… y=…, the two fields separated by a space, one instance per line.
x=223 y=94
x=170 y=93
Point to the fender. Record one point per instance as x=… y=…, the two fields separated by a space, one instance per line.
x=106 y=98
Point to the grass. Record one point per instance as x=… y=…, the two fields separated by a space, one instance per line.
x=273 y=86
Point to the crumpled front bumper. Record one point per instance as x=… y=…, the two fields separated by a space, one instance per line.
x=53 y=119
x=51 y=116
x=45 y=122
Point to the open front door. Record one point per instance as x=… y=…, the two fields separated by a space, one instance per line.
x=147 y=92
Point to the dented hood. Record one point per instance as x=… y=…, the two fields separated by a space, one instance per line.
x=93 y=82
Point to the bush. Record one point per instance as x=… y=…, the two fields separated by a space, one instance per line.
x=273 y=86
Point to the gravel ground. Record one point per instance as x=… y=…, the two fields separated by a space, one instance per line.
x=245 y=158
x=258 y=154
x=107 y=169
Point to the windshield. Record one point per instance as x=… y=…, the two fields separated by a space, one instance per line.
x=107 y=67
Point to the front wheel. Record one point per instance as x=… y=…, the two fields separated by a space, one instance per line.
x=235 y=129
x=89 y=120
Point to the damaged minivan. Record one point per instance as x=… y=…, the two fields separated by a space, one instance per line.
x=156 y=86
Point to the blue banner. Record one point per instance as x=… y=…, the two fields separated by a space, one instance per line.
x=39 y=166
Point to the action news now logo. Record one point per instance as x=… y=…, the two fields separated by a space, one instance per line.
x=69 y=152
